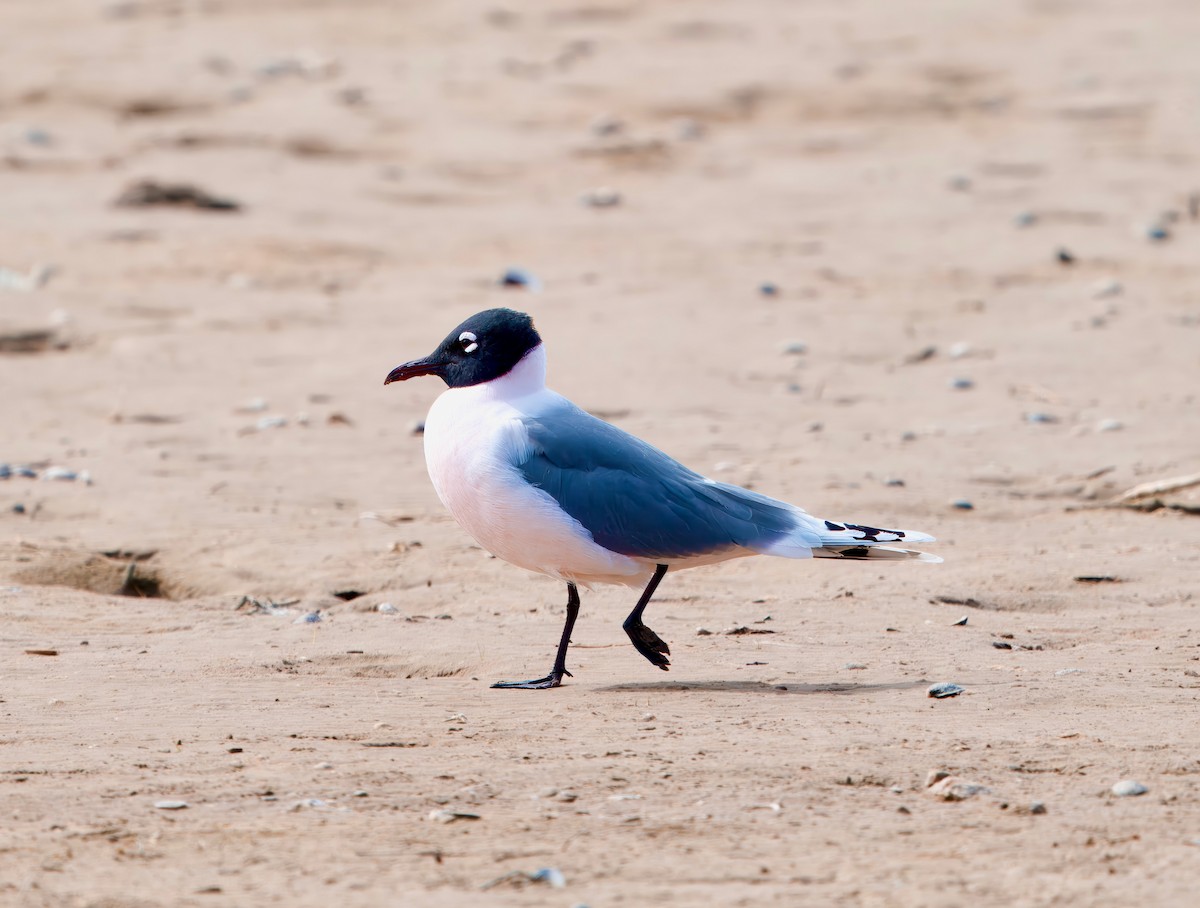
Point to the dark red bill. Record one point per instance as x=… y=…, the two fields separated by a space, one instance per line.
x=411 y=370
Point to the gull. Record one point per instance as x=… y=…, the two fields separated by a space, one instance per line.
x=546 y=486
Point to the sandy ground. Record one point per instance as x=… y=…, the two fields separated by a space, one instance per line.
x=909 y=176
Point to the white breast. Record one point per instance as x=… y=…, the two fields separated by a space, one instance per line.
x=474 y=438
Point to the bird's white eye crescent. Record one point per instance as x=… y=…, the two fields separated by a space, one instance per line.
x=469 y=341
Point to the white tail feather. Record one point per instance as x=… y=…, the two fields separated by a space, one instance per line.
x=873 y=552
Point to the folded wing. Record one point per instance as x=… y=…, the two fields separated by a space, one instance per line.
x=637 y=501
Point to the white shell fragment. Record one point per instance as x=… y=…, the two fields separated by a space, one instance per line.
x=1128 y=788
x=26 y=281
x=171 y=805
x=59 y=474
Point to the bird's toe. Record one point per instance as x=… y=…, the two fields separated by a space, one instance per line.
x=537 y=684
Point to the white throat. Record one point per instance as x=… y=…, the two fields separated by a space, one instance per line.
x=527 y=377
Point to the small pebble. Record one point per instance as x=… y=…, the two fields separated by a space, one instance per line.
x=703 y=632
x=552 y=876
x=310 y=618
x=35 y=135
x=358 y=794
x=768 y=289
x=1068 y=671
x=1025 y=219
x=449 y=816
x=386 y=608
x=952 y=788
x=1107 y=288
x=1045 y=418
x=689 y=130
x=854 y=667
x=1156 y=233
x=962 y=504
x=1000 y=644
x=961 y=622
x=5 y=471
x=24 y=472
x=601 y=197
x=606 y=125
x=171 y=805
x=893 y=482
x=519 y=277
x=1037 y=807
x=1128 y=788
x=18 y=508
x=314 y=803
x=254 y=405
x=323 y=766
x=960 y=183
x=1065 y=257
x=1110 y=425
x=795 y=348
x=61 y=474
x=418 y=427
x=922 y=355
x=945 y=689
x=270 y=422
x=962 y=384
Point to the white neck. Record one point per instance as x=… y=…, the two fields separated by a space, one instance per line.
x=527 y=377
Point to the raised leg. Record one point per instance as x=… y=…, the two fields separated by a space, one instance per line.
x=645 y=641
x=554 y=679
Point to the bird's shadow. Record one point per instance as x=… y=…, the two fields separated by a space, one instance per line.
x=759 y=687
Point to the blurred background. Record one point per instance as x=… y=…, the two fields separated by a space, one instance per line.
x=835 y=243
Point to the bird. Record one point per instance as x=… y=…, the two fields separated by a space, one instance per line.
x=546 y=486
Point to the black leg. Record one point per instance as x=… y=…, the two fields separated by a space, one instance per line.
x=554 y=679
x=645 y=641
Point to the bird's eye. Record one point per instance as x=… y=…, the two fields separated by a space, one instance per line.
x=469 y=342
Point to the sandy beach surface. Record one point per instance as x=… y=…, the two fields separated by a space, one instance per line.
x=930 y=264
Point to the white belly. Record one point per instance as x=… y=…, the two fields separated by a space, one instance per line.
x=472 y=443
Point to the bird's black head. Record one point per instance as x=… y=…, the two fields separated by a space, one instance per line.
x=484 y=347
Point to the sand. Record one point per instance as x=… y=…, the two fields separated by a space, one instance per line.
x=939 y=193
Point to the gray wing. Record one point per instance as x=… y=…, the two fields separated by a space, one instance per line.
x=637 y=501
